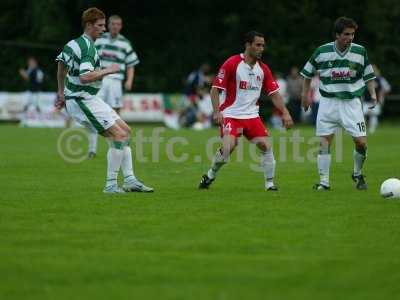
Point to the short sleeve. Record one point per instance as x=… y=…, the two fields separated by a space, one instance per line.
x=368 y=73
x=65 y=56
x=131 y=58
x=225 y=72
x=310 y=67
x=270 y=85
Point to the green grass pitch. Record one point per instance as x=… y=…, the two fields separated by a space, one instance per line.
x=62 y=238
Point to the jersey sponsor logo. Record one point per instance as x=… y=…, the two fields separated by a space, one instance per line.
x=245 y=85
x=109 y=55
x=343 y=75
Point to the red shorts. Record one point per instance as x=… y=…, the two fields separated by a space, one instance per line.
x=250 y=128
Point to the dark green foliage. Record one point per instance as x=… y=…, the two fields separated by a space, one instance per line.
x=174 y=37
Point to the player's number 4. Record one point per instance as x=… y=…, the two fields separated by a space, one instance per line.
x=361 y=126
x=227 y=127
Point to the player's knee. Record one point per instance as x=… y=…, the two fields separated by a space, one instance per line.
x=361 y=147
x=361 y=144
x=120 y=135
x=227 y=150
x=263 y=147
x=324 y=147
x=228 y=146
x=126 y=132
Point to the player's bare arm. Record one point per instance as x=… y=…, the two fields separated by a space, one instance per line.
x=130 y=75
x=217 y=115
x=61 y=74
x=381 y=96
x=98 y=74
x=305 y=94
x=24 y=74
x=371 y=89
x=277 y=100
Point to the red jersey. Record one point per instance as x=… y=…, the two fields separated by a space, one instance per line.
x=241 y=87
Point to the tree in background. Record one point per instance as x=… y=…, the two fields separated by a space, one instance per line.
x=172 y=39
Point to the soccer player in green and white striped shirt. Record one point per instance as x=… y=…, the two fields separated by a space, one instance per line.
x=79 y=80
x=344 y=72
x=114 y=48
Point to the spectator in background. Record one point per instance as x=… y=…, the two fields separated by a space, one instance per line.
x=188 y=115
x=197 y=80
x=294 y=87
x=382 y=88
x=195 y=84
x=33 y=75
x=276 y=116
x=204 y=110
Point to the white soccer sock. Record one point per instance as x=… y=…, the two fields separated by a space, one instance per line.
x=217 y=163
x=358 y=162
x=114 y=159
x=127 y=165
x=93 y=142
x=268 y=163
x=324 y=162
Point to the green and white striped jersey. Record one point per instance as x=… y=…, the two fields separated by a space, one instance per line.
x=342 y=75
x=80 y=56
x=116 y=51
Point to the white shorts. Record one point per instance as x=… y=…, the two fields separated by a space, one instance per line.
x=111 y=92
x=334 y=113
x=94 y=114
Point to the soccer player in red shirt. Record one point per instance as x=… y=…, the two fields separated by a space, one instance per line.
x=234 y=94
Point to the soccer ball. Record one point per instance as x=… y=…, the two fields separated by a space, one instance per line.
x=390 y=188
